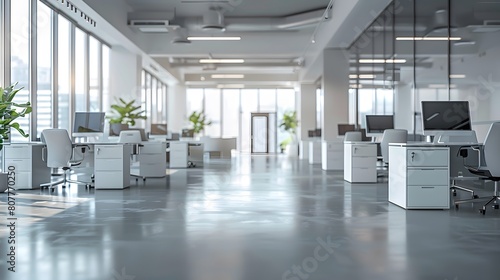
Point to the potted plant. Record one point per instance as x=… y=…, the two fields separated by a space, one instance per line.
x=289 y=123
x=198 y=122
x=8 y=114
x=125 y=114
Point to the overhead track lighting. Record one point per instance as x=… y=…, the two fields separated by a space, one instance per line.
x=382 y=61
x=428 y=38
x=218 y=38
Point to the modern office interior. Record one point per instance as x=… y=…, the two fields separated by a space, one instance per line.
x=391 y=172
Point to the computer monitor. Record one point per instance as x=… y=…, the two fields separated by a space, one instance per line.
x=88 y=124
x=376 y=124
x=447 y=120
x=159 y=129
x=343 y=128
x=188 y=133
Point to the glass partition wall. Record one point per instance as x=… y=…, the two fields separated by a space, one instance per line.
x=428 y=50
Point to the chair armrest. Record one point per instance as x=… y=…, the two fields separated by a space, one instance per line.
x=83 y=147
x=463 y=152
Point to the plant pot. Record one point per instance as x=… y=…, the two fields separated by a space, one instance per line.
x=115 y=128
x=292 y=150
x=4 y=181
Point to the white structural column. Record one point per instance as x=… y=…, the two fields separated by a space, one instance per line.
x=335 y=86
x=403 y=102
x=306 y=109
x=177 y=115
x=306 y=113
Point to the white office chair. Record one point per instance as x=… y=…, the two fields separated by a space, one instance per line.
x=354 y=136
x=391 y=136
x=132 y=137
x=59 y=153
x=488 y=165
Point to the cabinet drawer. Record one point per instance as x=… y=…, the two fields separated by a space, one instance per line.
x=154 y=148
x=109 y=152
x=422 y=157
x=429 y=197
x=17 y=151
x=365 y=162
x=19 y=164
x=178 y=147
x=23 y=181
x=363 y=151
x=364 y=175
x=108 y=164
x=151 y=158
x=428 y=177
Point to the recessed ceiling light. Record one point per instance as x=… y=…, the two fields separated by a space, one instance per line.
x=219 y=38
x=457 y=76
x=428 y=38
x=228 y=76
x=229 y=60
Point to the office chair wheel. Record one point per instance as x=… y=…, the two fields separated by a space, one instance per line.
x=457 y=206
x=496 y=206
x=482 y=211
x=144 y=179
x=136 y=180
x=63 y=186
x=52 y=190
x=454 y=193
x=475 y=196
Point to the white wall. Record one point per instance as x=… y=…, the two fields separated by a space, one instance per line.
x=177 y=108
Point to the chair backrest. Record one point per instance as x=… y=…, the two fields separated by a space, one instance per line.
x=491 y=149
x=130 y=136
x=59 y=147
x=353 y=136
x=392 y=136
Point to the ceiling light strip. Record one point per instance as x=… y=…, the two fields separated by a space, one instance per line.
x=228 y=76
x=225 y=38
x=211 y=60
x=428 y=38
x=382 y=61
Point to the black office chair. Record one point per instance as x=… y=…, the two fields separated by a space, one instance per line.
x=488 y=167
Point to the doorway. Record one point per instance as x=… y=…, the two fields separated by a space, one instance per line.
x=263 y=133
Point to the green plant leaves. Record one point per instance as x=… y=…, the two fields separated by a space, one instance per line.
x=9 y=113
x=198 y=121
x=126 y=113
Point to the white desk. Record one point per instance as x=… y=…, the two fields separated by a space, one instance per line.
x=360 y=162
x=30 y=169
x=152 y=159
x=419 y=176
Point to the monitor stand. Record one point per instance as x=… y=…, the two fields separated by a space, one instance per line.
x=466 y=136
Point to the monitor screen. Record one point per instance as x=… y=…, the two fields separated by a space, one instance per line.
x=445 y=115
x=343 y=128
x=379 y=123
x=89 y=122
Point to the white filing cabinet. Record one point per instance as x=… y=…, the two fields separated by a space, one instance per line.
x=112 y=166
x=152 y=159
x=332 y=155
x=30 y=169
x=178 y=154
x=304 y=149
x=419 y=176
x=360 y=162
x=315 y=152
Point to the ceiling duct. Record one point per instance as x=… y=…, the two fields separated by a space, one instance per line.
x=440 y=24
x=180 y=36
x=213 y=20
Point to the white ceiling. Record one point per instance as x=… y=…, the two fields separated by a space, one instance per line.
x=276 y=34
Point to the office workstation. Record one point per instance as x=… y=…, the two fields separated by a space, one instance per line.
x=319 y=139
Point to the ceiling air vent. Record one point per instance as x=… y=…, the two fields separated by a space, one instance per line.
x=150 y=26
x=213 y=20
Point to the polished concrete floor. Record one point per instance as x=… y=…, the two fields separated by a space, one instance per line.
x=251 y=218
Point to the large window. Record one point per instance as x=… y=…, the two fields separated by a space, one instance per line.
x=80 y=70
x=64 y=77
x=230 y=111
x=20 y=58
x=60 y=67
x=153 y=99
x=44 y=68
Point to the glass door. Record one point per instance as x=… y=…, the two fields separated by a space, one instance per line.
x=259 y=133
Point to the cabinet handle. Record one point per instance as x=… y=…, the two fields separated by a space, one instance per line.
x=412 y=156
x=98 y=150
x=428 y=187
